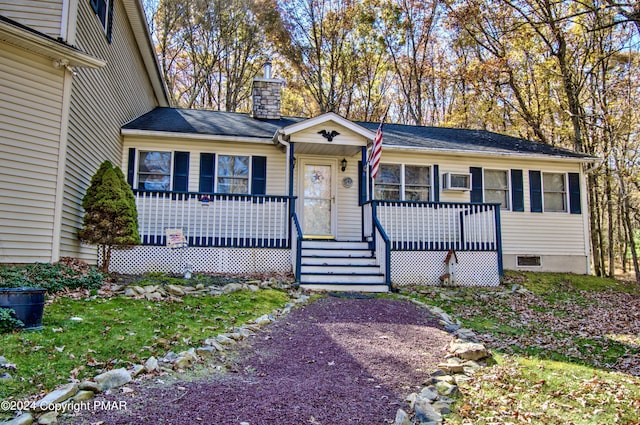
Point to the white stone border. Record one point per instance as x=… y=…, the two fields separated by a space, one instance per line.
x=433 y=401
x=66 y=398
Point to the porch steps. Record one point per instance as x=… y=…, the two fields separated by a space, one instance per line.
x=340 y=266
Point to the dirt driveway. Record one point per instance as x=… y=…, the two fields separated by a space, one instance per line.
x=335 y=361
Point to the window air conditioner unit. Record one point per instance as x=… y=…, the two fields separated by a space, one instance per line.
x=456 y=181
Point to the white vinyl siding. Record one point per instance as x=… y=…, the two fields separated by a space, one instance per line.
x=523 y=233
x=276 y=159
x=44 y=16
x=102 y=101
x=349 y=213
x=30 y=118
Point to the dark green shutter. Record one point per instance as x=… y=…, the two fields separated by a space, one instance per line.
x=207 y=172
x=575 y=206
x=517 y=191
x=535 y=190
x=131 y=167
x=258 y=175
x=436 y=183
x=476 y=184
x=362 y=187
x=180 y=171
x=110 y=21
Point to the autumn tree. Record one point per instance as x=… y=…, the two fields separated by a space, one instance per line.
x=209 y=51
x=408 y=28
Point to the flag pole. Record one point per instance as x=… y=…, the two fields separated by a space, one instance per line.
x=376 y=148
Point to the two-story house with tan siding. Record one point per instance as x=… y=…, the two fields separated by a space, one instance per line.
x=260 y=192
x=72 y=72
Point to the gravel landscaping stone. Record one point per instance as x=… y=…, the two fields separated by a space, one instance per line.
x=334 y=361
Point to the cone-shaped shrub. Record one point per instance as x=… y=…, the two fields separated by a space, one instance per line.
x=110 y=217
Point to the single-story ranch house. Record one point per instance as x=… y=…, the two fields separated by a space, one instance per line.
x=260 y=192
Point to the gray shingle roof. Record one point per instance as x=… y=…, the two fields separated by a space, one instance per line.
x=197 y=121
x=203 y=122
x=462 y=139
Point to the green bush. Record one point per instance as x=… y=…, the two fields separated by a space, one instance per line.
x=7 y=322
x=111 y=218
x=52 y=277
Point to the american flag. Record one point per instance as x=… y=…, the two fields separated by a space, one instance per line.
x=376 y=150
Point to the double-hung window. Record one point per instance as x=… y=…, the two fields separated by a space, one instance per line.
x=496 y=187
x=403 y=182
x=104 y=11
x=554 y=187
x=154 y=170
x=233 y=174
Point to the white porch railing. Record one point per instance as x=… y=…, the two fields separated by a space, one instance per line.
x=430 y=226
x=220 y=220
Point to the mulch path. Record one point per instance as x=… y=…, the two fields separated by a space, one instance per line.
x=335 y=361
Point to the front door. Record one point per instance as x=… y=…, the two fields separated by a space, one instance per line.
x=318 y=199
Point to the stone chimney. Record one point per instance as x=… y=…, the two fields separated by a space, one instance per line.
x=266 y=93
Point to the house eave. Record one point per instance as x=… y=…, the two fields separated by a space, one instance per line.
x=489 y=154
x=41 y=44
x=193 y=136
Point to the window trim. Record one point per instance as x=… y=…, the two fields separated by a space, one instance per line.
x=507 y=171
x=249 y=174
x=108 y=16
x=137 y=168
x=403 y=180
x=565 y=192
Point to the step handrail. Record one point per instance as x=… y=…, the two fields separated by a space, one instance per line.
x=378 y=229
x=298 y=253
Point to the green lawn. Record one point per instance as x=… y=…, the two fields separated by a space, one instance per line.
x=118 y=332
x=566 y=350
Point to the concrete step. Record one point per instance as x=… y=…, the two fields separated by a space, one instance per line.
x=330 y=269
x=340 y=278
x=334 y=244
x=338 y=261
x=344 y=287
x=337 y=253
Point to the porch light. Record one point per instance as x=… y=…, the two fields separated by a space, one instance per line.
x=344 y=164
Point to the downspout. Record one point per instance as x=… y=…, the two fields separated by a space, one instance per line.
x=62 y=159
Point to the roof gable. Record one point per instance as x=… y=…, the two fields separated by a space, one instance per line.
x=326 y=119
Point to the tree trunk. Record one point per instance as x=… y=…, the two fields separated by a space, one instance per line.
x=594 y=206
x=610 y=222
x=632 y=242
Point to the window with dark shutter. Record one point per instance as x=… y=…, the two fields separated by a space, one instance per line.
x=207 y=172
x=104 y=11
x=575 y=206
x=476 y=184
x=517 y=191
x=258 y=175
x=131 y=167
x=181 y=171
x=436 y=183
x=535 y=190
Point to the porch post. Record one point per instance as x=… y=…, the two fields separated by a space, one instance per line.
x=499 y=239
x=291 y=160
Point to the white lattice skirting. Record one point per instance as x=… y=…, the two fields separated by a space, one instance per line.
x=474 y=268
x=145 y=259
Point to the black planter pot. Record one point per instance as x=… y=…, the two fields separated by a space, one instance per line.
x=28 y=304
